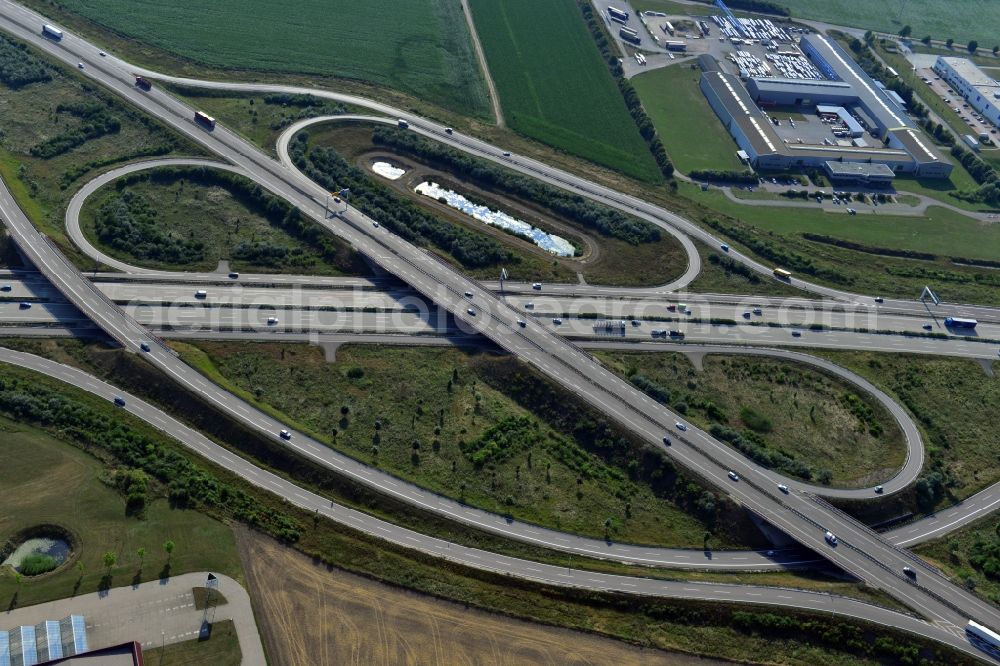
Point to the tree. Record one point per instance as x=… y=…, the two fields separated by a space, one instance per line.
x=607 y=528
x=949 y=42
x=142 y=555
x=973 y=46
x=906 y=31
x=168 y=546
x=110 y=559
x=79 y=567
x=926 y=39
x=995 y=49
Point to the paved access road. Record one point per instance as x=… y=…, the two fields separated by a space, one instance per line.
x=471 y=557
x=156 y=613
x=860 y=552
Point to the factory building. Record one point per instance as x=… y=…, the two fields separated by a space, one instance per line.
x=977 y=88
x=872 y=127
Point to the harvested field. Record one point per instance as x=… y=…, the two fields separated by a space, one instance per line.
x=327 y=616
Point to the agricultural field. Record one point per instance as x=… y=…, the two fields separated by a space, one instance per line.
x=59 y=131
x=191 y=219
x=690 y=130
x=317 y=617
x=788 y=416
x=40 y=472
x=941 y=19
x=421 y=47
x=553 y=85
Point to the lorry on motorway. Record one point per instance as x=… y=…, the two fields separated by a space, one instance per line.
x=958 y=322
x=983 y=638
x=204 y=119
x=403 y=124
x=142 y=83
x=52 y=32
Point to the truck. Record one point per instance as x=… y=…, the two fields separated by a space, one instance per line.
x=782 y=274
x=958 y=322
x=403 y=124
x=616 y=14
x=204 y=119
x=630 y=35
x=983 y=638
x=52 y=32
x=142 y=83
x=675 y=45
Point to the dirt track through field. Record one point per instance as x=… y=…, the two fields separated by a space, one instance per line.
x=311 y=616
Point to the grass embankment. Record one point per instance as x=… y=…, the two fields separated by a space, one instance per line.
x=608 y=259
x=59 y=131
x=955 y=403
x=183 y=218
x=47 y=481
x=718 y=630
x=441 y=419
x=221 y=648
x=788 y=416
x=554 y=86
x=970 y=556
x=683 y=119
x=976 y=19
x=422 y=47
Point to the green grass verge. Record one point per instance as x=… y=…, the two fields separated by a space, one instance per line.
x=819 y=427
x=226 y=224
x=687 y=124
x=421 y=47
x=970 y=557
x=221 y=648
x=955 y=403
x=553 y=85
x=40 y=473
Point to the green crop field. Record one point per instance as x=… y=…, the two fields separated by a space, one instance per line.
x=421 y=47
x=553 y=85
x=941 y=19
x=691 y=133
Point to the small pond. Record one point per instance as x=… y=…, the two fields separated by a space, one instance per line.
x=555 y=244
x=56 y=548
x=387 y=170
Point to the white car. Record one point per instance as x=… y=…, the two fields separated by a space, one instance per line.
x=144 y=346
x=284 y=434
x=529 y=306
x=506 y=154
x=557 y=321
x=471 y=312
x=680 y=426
x=271 y=321
x=536 y=285
x=375 y=224
x=102 y=53
x=831 y=538
x=80 y=65
x=522 y=323
x=783 y=488
x=734 y=476
x=468 y=294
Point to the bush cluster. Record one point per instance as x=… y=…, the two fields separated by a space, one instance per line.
x=97 y=120
x=18 y=67
x=128 y=223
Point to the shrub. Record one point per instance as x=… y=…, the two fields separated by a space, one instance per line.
x=37 y=563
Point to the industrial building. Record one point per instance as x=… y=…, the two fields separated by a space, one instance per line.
x=975 y=86
x=43 y=642
x=866 y=125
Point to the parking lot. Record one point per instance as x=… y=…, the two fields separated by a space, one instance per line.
x=964 y=110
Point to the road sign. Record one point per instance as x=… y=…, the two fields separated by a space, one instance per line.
x=927 y=293
x=212 y=582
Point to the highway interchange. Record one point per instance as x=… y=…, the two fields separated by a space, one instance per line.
x=868 y=556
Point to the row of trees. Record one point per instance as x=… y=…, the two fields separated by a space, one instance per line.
x=645 y=125
x=972 y=46
x=604 y=220
x=18 y=67
x=402 y=217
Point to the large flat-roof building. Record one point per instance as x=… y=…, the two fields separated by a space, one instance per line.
x=860 y=104
x=975 y=86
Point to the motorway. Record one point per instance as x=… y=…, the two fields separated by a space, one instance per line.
x=475 y=558
x=861 y=552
